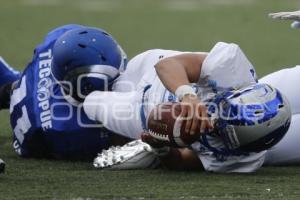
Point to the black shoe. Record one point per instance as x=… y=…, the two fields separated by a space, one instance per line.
x=2 y=166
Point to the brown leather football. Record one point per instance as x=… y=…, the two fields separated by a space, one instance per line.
x=164 y=124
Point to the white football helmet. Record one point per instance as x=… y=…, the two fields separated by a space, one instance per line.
x=250 y=119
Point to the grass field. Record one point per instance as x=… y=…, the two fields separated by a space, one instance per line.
x=138 y=25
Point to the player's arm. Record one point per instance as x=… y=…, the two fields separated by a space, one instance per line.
x=180 y=70
x=176 y=73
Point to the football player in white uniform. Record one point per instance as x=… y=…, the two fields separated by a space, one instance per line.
x=223 y=76
x=283 y=152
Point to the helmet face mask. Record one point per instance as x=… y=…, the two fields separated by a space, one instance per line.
x=251 y=119
x=81 y=85
x=87 y=59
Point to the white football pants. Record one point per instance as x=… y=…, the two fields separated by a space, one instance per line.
x=287 y=151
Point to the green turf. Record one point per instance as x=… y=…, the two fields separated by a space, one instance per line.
x=139 y=25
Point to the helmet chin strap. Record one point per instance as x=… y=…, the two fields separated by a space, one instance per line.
x=69 y=98
x=229 y=148
x=63 y=89
x=223 y=151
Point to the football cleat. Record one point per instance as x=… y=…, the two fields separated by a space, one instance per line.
x=7 y=73
x=133 y=155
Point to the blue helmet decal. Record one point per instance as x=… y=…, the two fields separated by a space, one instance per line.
x=250 y=119
x=245 y=113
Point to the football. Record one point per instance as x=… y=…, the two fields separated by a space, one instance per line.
x=164 y=124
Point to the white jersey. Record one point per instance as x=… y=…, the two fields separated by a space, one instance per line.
x=225 y=67
x=287 y=150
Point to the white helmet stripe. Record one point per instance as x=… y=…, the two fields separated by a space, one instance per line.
x=104 y=69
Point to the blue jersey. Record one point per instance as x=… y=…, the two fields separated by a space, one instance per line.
x=44 y=124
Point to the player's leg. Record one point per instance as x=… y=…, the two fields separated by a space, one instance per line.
x=286 y=151
x=8 y=75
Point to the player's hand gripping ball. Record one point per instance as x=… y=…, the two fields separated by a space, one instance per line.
x=165 y=124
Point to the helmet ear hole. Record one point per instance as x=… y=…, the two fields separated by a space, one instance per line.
x=83 y=32
x=104 y=33
x=82 y=45
x=280 y=106
x=258 y=112
x=102 y=57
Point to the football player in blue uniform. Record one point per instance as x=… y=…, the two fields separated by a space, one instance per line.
x=46 y=115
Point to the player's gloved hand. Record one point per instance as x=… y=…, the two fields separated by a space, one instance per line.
x=160 y=148
x=195 y=112
x=295 y=15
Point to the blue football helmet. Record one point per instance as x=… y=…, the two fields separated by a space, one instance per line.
x=86 y=59
x=250 y=119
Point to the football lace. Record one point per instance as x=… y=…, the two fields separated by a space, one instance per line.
x=158 y=135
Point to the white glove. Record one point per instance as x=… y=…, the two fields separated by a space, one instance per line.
x=133 y=155
x=295 y=15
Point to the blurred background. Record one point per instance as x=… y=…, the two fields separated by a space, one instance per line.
x=138 y=25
